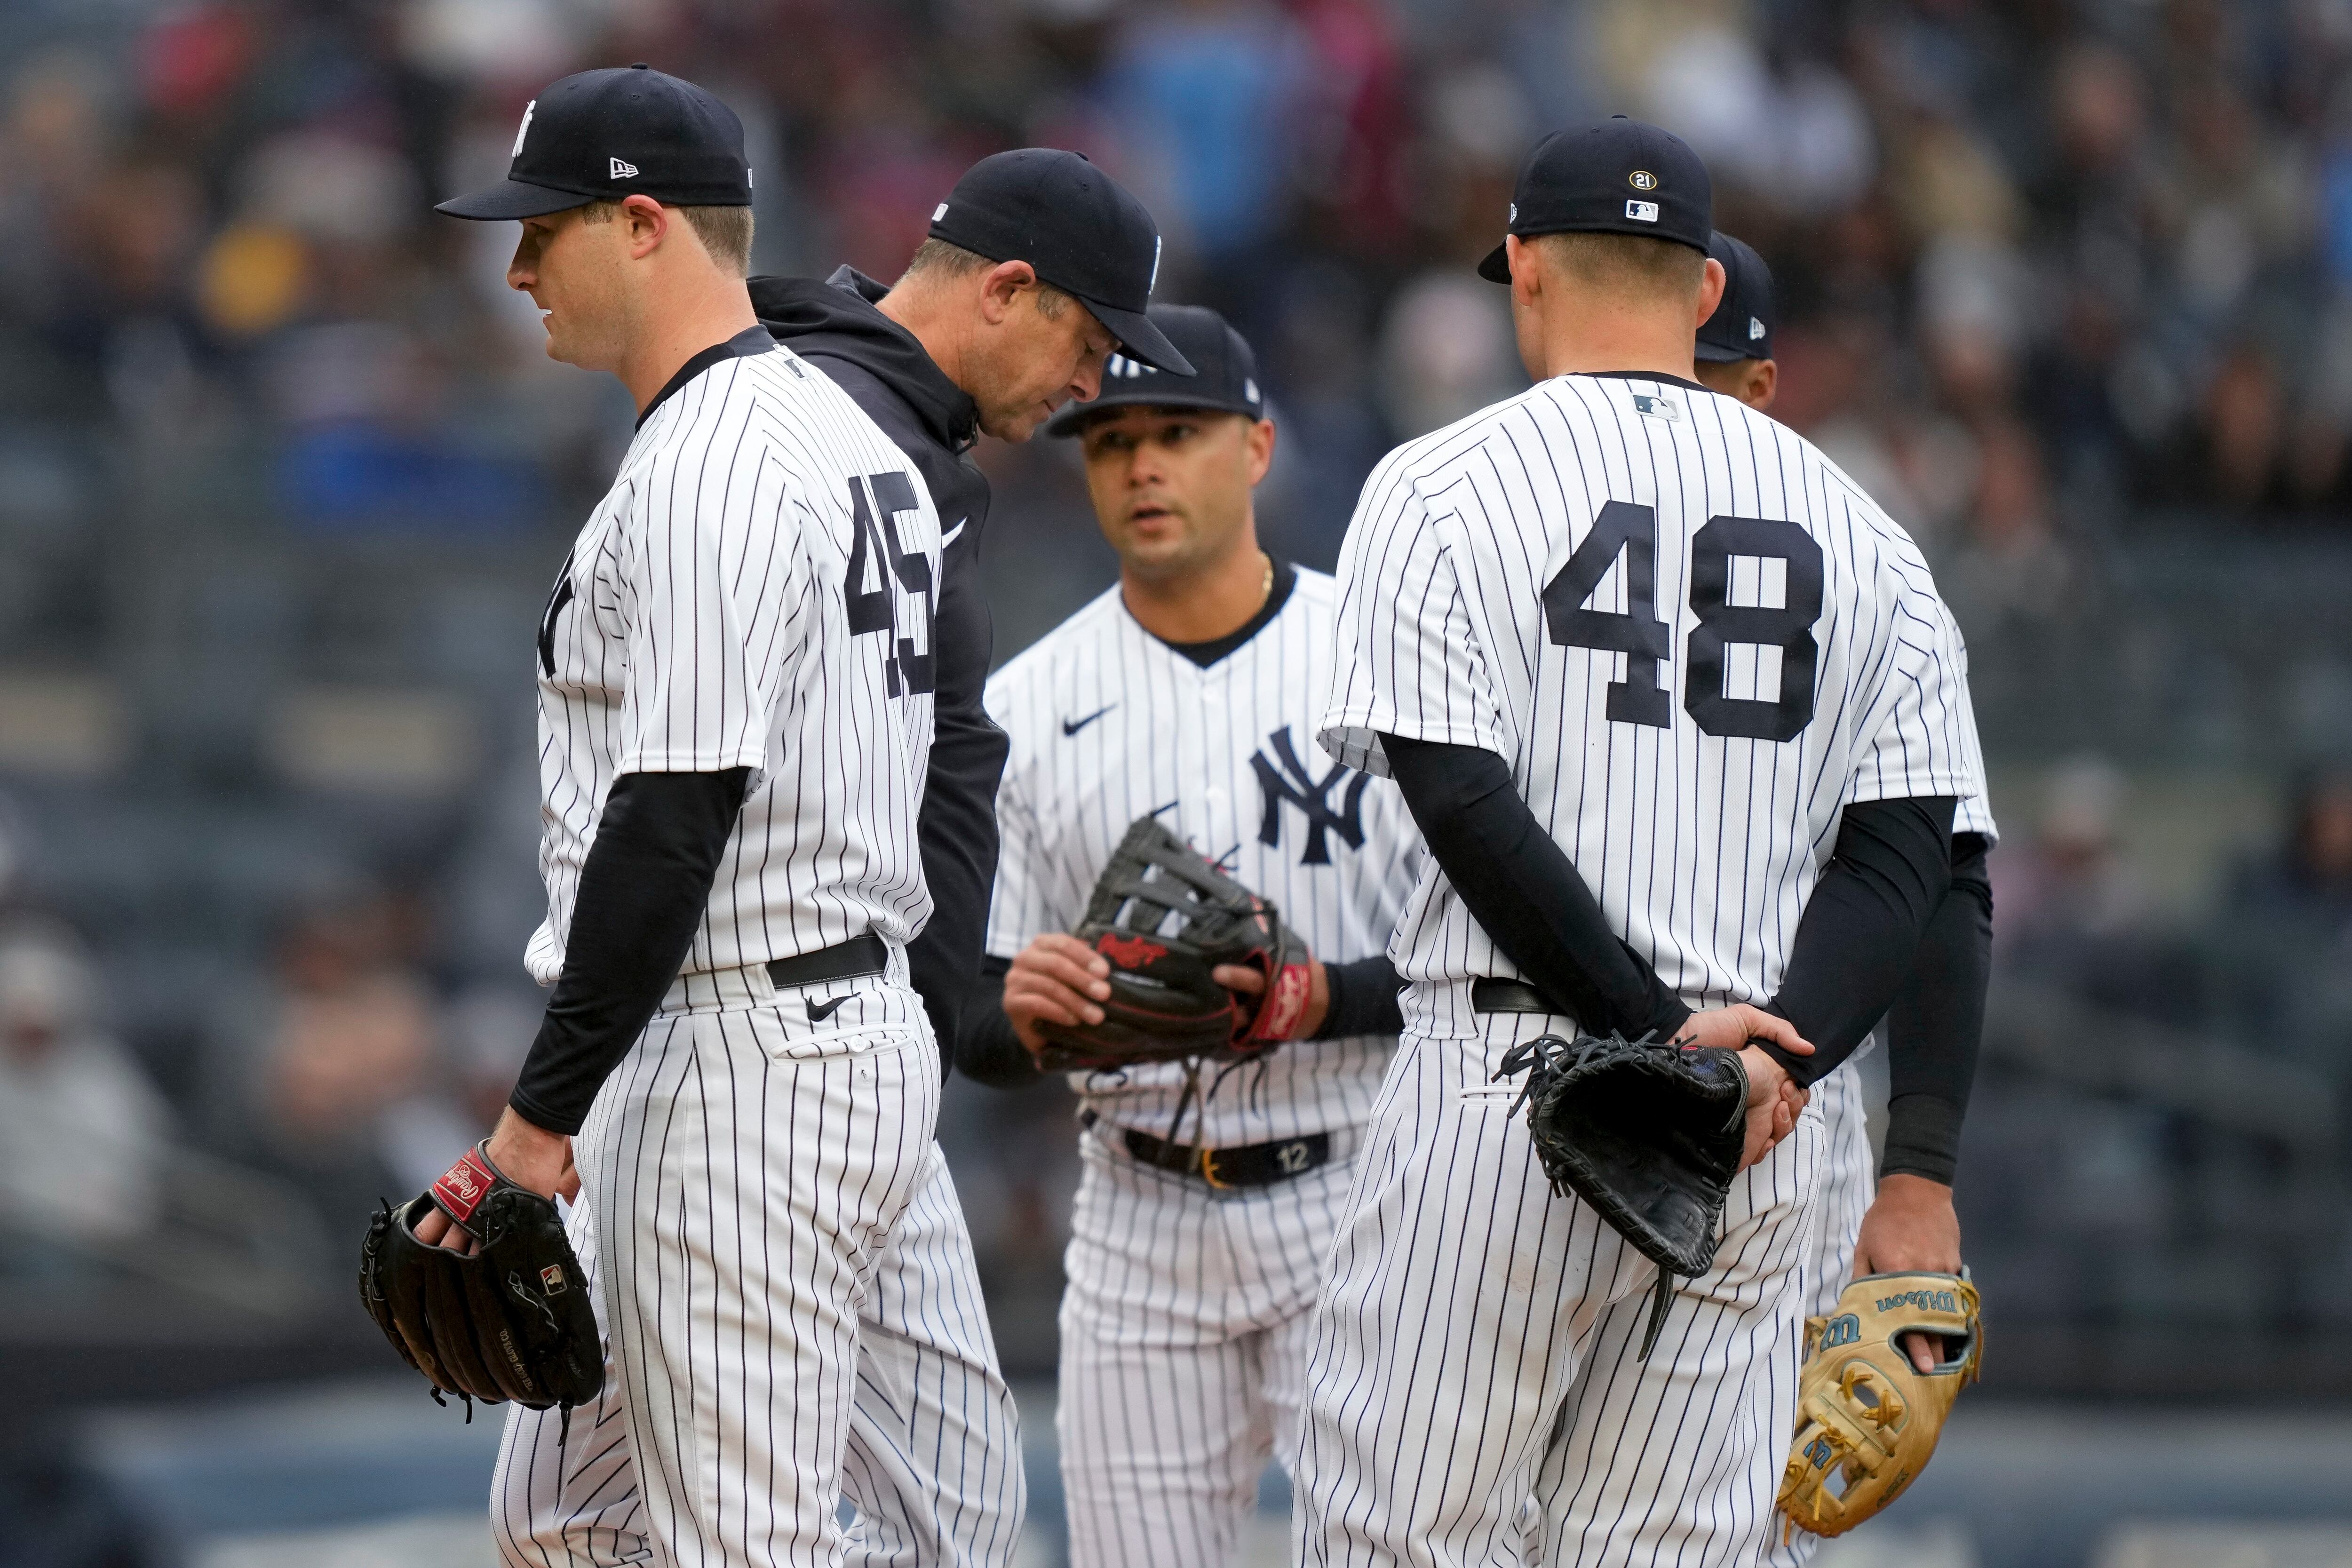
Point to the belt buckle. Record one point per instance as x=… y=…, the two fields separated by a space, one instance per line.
x=1209 y=1169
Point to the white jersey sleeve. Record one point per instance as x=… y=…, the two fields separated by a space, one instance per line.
x=1408 y=660
x=712 y=579
x=1920 y=736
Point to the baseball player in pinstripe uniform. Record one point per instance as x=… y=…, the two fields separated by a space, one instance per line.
x=1188 y=693
x=736 y=668
x=1684 y=724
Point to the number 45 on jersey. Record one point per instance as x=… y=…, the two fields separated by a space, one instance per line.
x=1625 y=528
x=910 y=667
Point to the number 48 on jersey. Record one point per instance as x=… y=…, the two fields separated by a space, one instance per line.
x=1627 y=528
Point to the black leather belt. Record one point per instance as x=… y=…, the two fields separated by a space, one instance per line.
x=1507 y=996
x=1249 y=1165
x=852 y=959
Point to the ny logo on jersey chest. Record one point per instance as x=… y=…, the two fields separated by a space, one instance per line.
x=1284 y=780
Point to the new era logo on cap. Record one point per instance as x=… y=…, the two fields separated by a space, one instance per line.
x=1755 y=327
x=622 y=168
x=1642 y=212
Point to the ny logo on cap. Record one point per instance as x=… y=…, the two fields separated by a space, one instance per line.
x=1120 y=365
x=524 y=128
x=1643 y=180
x=622 y=168
x=1642 y=212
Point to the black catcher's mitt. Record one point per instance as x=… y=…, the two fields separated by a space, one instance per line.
x=510 y=1319
x=1649 y=1133
x=1164 y=918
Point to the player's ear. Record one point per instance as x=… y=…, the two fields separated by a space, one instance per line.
x=1526 y=281
x=1710 y=291
x=1258 y=441
x=645 y=223
x=999 y=286
x=1763 y=383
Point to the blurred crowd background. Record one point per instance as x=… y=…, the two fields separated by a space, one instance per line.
x=2067 y=284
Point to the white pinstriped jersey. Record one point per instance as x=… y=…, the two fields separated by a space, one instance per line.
x=1693 y=639
x=1109 y=724
x=754 y=590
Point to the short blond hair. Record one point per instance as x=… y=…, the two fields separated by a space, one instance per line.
x=725 y=232
x=940 y=258
x=1622 y=263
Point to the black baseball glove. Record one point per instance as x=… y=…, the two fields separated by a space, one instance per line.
x=1649 y=1133
x=1164 y=918
x=512 y=1319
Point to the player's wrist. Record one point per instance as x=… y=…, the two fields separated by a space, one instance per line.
x=1909 y=1190
x=528 y=1154
x=1766 y=1075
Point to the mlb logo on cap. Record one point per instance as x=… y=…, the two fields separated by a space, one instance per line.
x=1642 y=212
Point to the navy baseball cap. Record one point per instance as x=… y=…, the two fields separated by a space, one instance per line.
x=1612 y=176
x=1741 y=327
x=629 y=131
x=1224 y=378
x=1082 y=231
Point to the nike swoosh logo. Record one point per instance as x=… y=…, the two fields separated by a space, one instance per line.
x=1072 y=726
x=820 y=1011
x=952 y=534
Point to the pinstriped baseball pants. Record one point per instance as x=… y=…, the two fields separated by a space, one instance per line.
x=1475 y=1328
x=791 y=1307
x=1678 y=1461
x=1184 y=1347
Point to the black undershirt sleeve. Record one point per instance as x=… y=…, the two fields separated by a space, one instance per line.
x=1525 y=893
x=1861 y=929
x=986 y=1048
x=1363 y=999
x=1936 y=1026
x=642 y=893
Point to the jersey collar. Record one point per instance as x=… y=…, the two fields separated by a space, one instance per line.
x=1640 y=376
x=1208 y=654
x=750 y=341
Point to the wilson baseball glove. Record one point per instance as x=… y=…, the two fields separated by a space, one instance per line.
x=510 y=1319
x=1164 y=918
x=1867 y=1419
x=1649 y=1133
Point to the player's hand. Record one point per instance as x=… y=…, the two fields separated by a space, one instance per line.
x=527 y=1155
x=1774 y=1101
x=1734 y=1027
x=1056 y=979
x=1910 y=1228
x=1248 y=981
